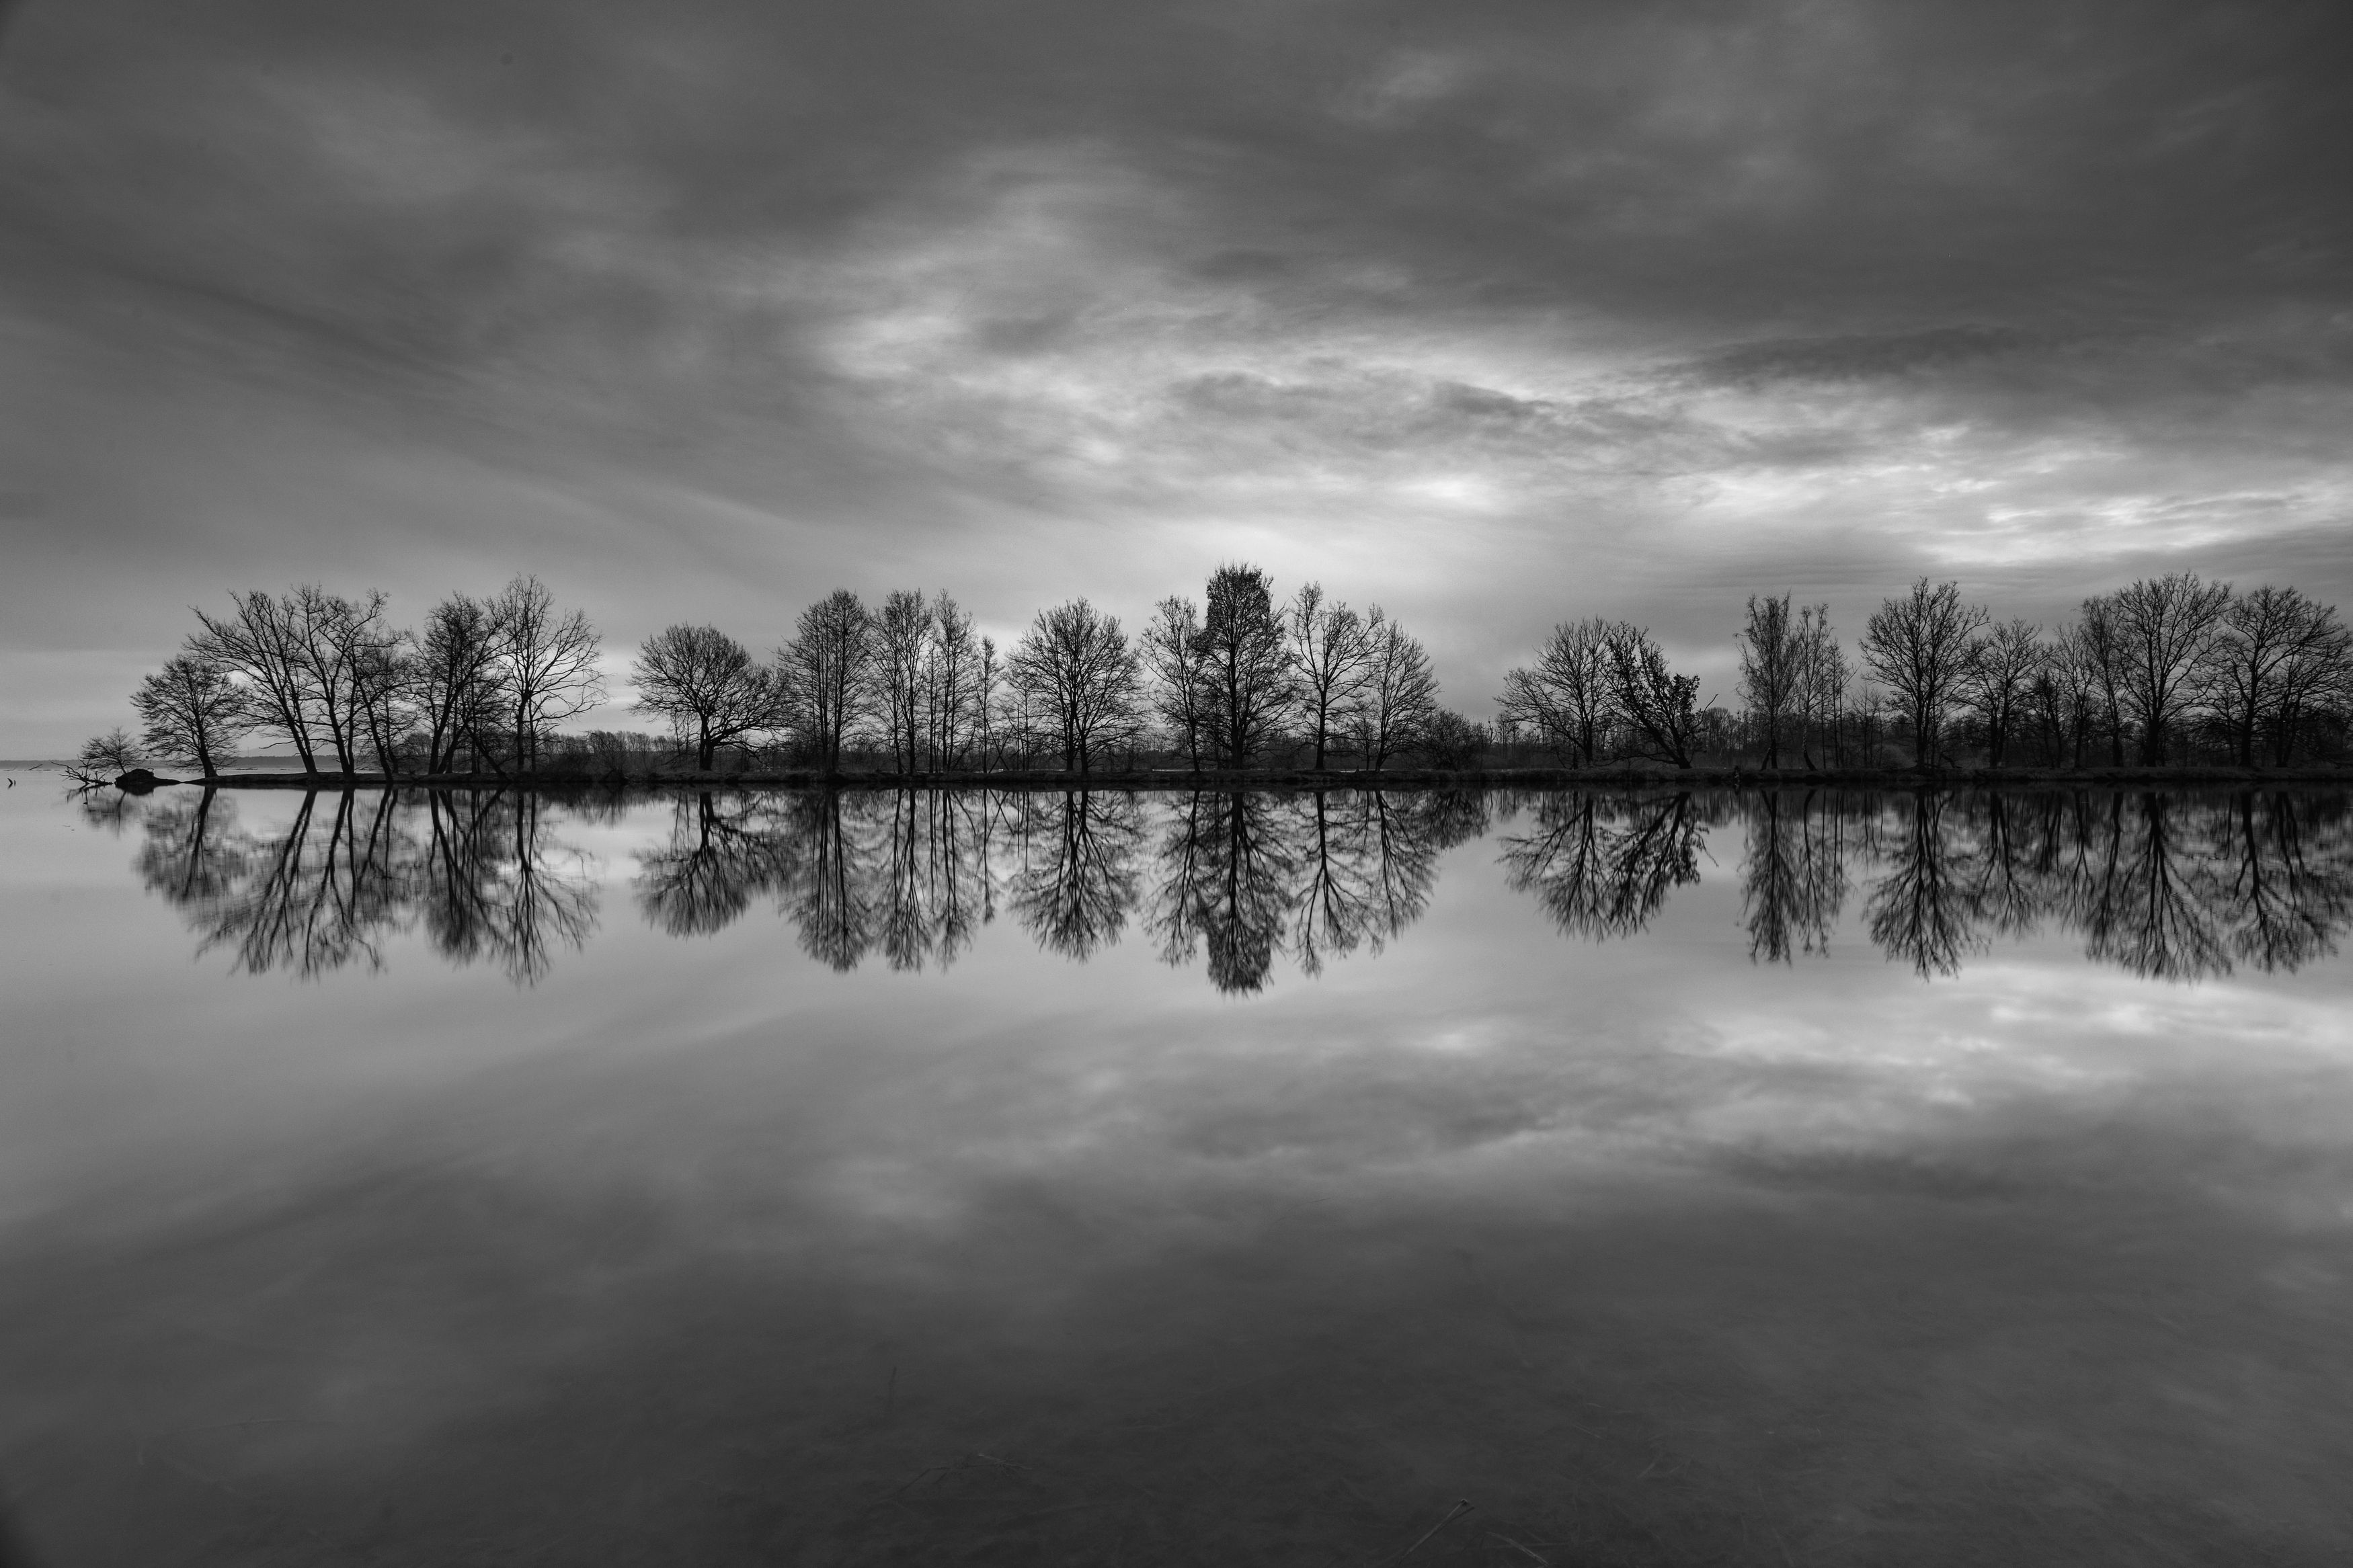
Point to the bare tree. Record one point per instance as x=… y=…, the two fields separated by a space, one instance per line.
x=104 y=759
x=2008 y=660
x=2318 y=677
x=901 y=629
x=706 y=685
x=192 y=709
x=1772 y=667
x=1922 y=646
x=951 y=681
x=1329 y=655
x=1076 y=664
x=384 y=696
x=1568 y=697
x=337 y=638
x=825 y=669
x=1245 y=670
x=1661 y=708
x=2268 y=639
x=261 y=642
x=453 y=682
x=2063 y=699
x=546 y=663
x=2168 y=626
x=1822 y=677
x=989 y=676
x=1400 y=698
x=2099 y=643
x=1175 y=656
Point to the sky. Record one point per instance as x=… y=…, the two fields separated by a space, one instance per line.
x=1495 y=314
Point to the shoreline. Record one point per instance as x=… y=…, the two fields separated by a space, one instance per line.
x=1296 y=781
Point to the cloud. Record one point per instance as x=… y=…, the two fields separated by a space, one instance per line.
x=1474 y=312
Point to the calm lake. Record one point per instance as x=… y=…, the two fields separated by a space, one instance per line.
x=1040 y=1179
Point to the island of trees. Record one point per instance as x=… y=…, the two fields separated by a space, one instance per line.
x=2169 y=672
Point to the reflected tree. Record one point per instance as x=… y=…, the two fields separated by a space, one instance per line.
x=716 y=859
x=1793 y=876
x=324 y=895
x=2289 y=884
x=497 y=887
x=1602 y=865
x=1924 y=911
x=1228 y=883
x=194 y=853
x=1076 y=880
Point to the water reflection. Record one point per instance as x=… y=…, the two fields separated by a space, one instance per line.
x=1602 y=865
x=2171 y=886
x=481 y=874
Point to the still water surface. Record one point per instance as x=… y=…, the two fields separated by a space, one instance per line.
x=1036 y=1179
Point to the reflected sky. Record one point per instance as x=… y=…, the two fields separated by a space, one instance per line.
x=1673 y=1177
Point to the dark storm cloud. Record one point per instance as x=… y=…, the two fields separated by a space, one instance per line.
x=1042 y=298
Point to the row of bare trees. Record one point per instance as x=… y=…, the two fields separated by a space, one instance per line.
x=1225 y=682
x=485 y=682
x=2162 y=670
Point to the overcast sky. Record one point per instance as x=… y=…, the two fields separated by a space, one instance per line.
x=1496 y=314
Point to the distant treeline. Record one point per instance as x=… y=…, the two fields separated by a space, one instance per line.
x=2165 y=884
x=2168 y=670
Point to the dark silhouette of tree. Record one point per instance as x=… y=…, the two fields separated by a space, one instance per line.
x=1822 y=678
x=2265 y=641
x=825 y=672
x=1661 y=709
x=2099 y=644
x=547 y=665
x=1772 y=669
x=348 y=659
x=453 y=684
x=1243 y=666
x=1923 y=646
x=902 y=629
x=706 y=685
x=1793 y=876
x=191 y=709
x=1566 y=700
x=1330 y=657
x=2168 y=626
x=1075 y=665
x=1397 y=702
x=955 y=672
x=1601 y=866
x=1174 y=653
x=2009 y=656
x=261 y=642
x=1077 y=880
